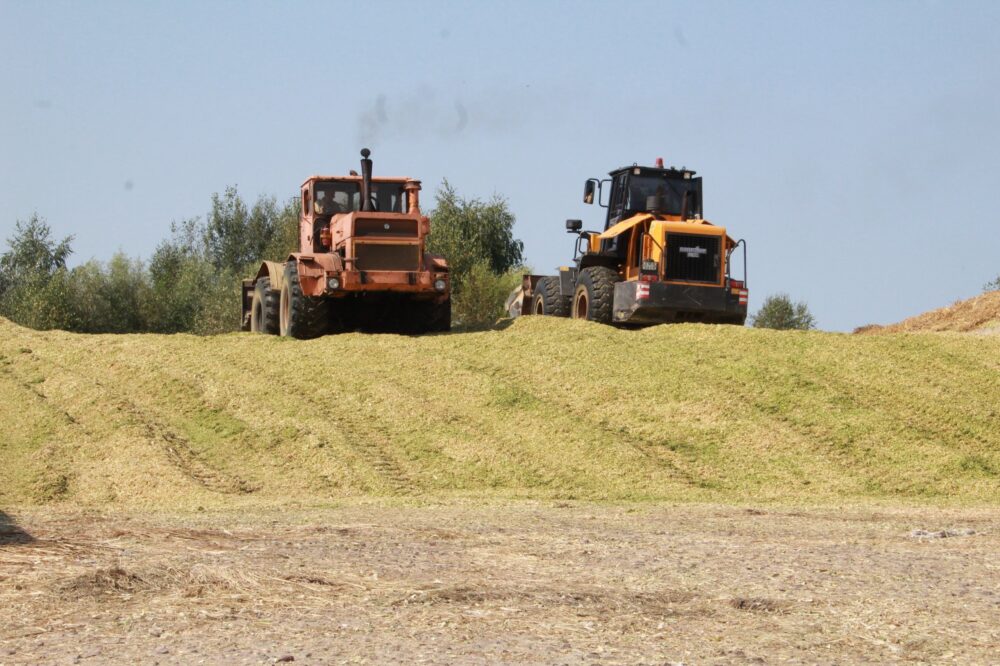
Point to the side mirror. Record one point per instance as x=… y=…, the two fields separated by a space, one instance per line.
x=589 y=188
x=572 y=226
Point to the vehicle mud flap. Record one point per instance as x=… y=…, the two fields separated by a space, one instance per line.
x=567 y=281
x=625 y=302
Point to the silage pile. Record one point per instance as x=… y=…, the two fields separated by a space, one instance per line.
x=543 y=409
x=980 y=314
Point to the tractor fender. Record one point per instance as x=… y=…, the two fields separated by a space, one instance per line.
x=274 y=271
x=313 y=269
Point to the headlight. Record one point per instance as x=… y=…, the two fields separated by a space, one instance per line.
x=333 y=283
x=440 y=284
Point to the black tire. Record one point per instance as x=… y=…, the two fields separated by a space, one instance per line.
x=424 y=317
x=300 y=316
x=594 y=296
x=264 y=308
x=440 y=321
x=548 y=299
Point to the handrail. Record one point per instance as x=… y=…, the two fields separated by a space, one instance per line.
x=729 y=266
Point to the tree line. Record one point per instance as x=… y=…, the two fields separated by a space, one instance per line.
x=191 y=283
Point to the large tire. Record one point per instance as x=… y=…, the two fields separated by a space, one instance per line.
x=300 y=316
x=264 y=308
x=440 y=321
x=424 y=317
x=594 y=296
x=548 y=299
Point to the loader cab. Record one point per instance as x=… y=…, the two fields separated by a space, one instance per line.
x=635 y=189
x=673 y=193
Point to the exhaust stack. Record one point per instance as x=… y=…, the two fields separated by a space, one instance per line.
x=366 y=180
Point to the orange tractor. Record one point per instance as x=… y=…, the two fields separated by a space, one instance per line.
x=361 y=264
x=656 y=261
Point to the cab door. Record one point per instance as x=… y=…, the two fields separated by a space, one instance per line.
x=616 y=212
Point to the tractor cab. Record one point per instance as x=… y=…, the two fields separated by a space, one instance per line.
x=342 y=195
x=338 y=207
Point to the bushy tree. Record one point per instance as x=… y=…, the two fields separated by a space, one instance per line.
x=992 y=286
x=32 y=253
x=181 y=277
x=477 y=239
x=34 y=284
x=237 y=235
x=285 y=239
x=110 y=298
x=469 y=231
x=195 y=274
x=778 y=311
x=190 y=284
x=480 y=301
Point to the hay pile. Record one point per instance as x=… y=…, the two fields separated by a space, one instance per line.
x=546 y=408
x=980 y=314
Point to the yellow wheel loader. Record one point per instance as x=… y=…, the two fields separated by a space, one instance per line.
x=656 y=261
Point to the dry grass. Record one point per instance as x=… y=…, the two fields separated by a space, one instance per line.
x=544 y=409
x=980 y=314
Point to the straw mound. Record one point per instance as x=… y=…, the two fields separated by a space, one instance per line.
x=545 y=408
x=980 y=314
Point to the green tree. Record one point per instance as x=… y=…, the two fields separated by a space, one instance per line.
x=34 y=284
x=110 y=298
x=180 y=277
x=778 y=311
x=194 y=276
x=479 y=303
x=237 y=236
x=477 y=240
x=190 y=284
x=32 y=253
x=286 y=237
x=469 y=231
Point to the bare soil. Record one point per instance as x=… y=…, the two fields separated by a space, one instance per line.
x=502 y=583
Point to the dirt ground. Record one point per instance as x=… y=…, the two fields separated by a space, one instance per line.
x=505 y=583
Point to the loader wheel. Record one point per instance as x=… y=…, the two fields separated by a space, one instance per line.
x=547 y=299
x=595 y=294
x=300 y=316
x=264 y=308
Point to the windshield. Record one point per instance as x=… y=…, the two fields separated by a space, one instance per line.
x=333 y=198
x=389 y=197
x=671 y=196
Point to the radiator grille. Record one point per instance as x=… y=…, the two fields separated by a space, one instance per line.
x=379 y=257
x=385 y=227
x=693 y=258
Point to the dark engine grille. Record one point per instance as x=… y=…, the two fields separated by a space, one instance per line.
x=385 y=227
x=692 y=258
x=372 y=257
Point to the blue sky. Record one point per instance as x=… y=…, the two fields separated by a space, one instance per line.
x=854 y=145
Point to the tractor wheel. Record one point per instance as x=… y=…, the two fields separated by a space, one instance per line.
x=547 y=299
x=264 y=308
x=425 y=317
x=300 y=316
x=595 y=294
x=440 y=320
